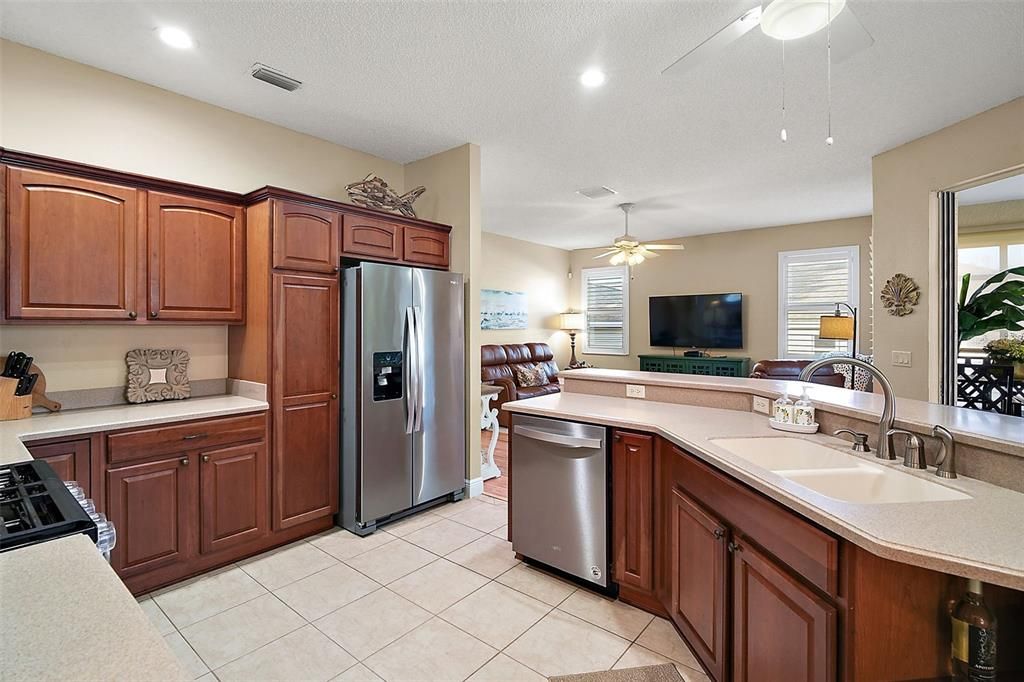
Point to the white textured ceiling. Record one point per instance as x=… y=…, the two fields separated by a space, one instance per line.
x=1006 y=189
x=698 y=153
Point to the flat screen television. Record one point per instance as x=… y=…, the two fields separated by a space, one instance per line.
x=697 y=321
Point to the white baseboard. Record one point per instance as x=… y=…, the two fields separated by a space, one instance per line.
x=474 y=487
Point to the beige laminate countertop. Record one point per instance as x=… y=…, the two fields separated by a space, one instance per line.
x=65 y=614
x=983 y=429
x=978 y=537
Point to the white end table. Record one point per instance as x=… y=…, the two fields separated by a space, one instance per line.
x=489 y=422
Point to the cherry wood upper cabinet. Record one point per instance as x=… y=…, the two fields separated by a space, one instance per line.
x=781 y=629
x=426 y=247
x=698 y=580
x=234 y=500
x=363 y=236
x=305 y=237
x=152 y=508
x=196 y=259
x=305 y=398
x=633 y=510
x=73 y=248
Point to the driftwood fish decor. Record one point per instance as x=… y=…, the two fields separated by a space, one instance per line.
x=372 y=191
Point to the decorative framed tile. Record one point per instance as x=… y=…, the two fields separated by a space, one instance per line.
x=157 y=374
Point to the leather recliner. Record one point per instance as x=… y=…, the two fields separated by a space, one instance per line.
x=789 y=370
x=496 y=368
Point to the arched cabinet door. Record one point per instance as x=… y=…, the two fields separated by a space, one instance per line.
x=73 y=248
x=196 y=259
x=305 y=237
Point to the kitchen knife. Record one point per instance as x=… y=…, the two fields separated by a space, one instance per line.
x=9 y=365
x=26 y=384
x=23 y=366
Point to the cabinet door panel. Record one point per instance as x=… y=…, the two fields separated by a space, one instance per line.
x=196 y=259
x=781 y=629
x=305 y=238
x=72 y=247
x=152 y=507
x=698 y=565
x=370 y=237
x=428 y=247
x=633 y=509
x=71 y=460
x=234 y=496
x=305 y=385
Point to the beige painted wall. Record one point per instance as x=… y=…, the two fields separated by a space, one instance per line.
x=542 y=272
x=746 y=261
x=452 y=179
x=57 y=107
x=904 y=228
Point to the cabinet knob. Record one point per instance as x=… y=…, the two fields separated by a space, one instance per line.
x=153 y=313
x=337 y=268
x=132 y=315
x=334 y=396
x=719 y=533
x=184 y=461
x=206 y=458
x=733 y=547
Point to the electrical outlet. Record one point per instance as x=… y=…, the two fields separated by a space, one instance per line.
x=761 y=404
x=635 y=391
x=902 y=358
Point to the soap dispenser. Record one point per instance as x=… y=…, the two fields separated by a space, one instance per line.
x=784 y=409
x=803 y=410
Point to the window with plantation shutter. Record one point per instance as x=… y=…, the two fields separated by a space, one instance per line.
x=810 y=284
x=606 y=306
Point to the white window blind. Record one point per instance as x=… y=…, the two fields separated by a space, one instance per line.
x=810 y=284
x=606 y=306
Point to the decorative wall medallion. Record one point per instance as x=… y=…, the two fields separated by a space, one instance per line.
x=900 y=294
x=372 y=191
x=157 y=374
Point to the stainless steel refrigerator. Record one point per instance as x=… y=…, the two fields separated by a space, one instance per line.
x=403 y=441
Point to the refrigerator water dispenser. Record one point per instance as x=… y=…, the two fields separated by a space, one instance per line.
x=387 y=376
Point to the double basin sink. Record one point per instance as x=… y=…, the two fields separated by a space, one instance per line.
x=836 y=474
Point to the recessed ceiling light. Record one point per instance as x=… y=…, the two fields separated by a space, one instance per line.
x=175 y=37
x=592 y=78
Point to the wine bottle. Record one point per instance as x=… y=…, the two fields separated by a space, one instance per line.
x=974 y=636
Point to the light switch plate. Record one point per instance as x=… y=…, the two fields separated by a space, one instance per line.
x=761 y=404
x=635 y=391
x=902 y=358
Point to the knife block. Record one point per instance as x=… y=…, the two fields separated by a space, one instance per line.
x=13 y=406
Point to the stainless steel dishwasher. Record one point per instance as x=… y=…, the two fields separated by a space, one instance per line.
x=559 y=495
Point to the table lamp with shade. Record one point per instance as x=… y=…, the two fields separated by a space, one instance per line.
x=572 y=322
x=839 y=327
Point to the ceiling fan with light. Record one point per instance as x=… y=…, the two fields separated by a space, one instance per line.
x=628 y=250
x=785 y=20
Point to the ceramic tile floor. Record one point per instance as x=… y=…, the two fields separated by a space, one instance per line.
x=438 y=596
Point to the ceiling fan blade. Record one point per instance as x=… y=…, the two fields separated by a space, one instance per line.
x=606 y=254
x=665 y=247
x=648 y=254
x=848 y=36
x=716 y=44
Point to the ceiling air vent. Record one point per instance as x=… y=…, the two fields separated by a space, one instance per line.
x=596 y=192
x=274 y=77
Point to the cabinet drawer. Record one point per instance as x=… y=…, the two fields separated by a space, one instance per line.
x=808 y=551
x=161 y=440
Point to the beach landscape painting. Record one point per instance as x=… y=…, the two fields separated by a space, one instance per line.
x=502 y=309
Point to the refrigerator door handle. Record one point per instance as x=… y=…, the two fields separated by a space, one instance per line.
x=421 y=362
x=411 y=362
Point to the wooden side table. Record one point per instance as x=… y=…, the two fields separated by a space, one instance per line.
x=489 y=421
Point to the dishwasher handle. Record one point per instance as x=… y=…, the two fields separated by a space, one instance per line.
x=556 y=438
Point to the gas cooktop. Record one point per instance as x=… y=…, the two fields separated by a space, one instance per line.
x=36 y=506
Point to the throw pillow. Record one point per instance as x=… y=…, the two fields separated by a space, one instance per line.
x=530 y=375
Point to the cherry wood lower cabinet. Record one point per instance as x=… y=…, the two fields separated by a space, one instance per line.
x=185 y=498
x=71 y=459
x=633 y=514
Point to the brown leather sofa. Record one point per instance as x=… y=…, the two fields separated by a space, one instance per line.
x=789 y=370
x=496 y=368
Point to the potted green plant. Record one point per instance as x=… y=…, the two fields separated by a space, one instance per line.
x=1008 y=350
x=997 y=304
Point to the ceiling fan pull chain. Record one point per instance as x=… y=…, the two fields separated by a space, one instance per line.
x=828 y=70
x=782 y=134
